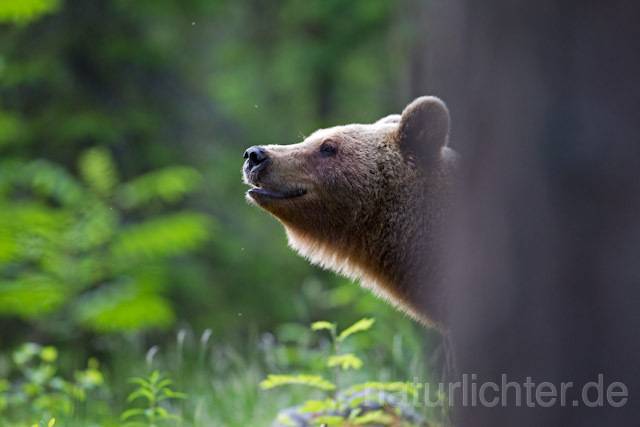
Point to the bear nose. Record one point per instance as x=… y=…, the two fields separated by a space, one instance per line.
x=255 y=156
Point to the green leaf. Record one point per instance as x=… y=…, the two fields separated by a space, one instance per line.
x=318 y=326
x=98 y=170
x=123 y=307
x=164 y=383
x=51 y=180
x=314 y=381
x=26 y=10
x=137 y=380
x=31 y=231
x=286 y=420
x=318 y=406
x=330 y=420
x=345 y=361
x=168 y=185
x=313 y=406
x=164 y=415
x=359 y=326
x=161 y=237
x=95 y=225
x=141 y=392
x=131 y=413
x=170 y=394
x=407 y=387
x=49 y=354
x=31 y=295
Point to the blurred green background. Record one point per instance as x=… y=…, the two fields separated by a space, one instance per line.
x=123 y=225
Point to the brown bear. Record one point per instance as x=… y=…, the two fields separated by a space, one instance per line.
x=368 y=201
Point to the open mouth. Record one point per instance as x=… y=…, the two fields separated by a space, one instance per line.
x=268 y=193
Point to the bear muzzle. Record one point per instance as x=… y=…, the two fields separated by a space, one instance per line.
x=256 y=175
x=256 y=157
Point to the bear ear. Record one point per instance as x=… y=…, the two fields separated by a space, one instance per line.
x=390 y=119
x=424 y=128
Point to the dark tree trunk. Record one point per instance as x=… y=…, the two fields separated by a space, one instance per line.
x=545 y=278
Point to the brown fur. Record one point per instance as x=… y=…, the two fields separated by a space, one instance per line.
x=373 y=209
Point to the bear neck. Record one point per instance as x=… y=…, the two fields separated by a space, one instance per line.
x=393 y=249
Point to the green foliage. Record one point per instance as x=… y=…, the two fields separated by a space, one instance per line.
x=70 y=249
x=168 y=185
x=360 y=326
x=219 y=379
x=11 y=127
x=406 y=387
x=98 y=171
x=48 y=180
x=345 y=361
x=26 y=10
x=161 y=237
x=51 y=422
x=324 y=325
x=39 y=391
x=314 y=381
x=31 y=295
x=154 y=389
x=124 y=308
x=345 y=406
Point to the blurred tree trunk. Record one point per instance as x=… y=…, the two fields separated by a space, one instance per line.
x=545 y=101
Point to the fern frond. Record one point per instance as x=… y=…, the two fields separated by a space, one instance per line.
x=118 y=307
x=31 y=295
x=50 y=180
x=168 y=185
x=165 y=236
x=98 y=170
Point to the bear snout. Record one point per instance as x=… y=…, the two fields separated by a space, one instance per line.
x=256 y=156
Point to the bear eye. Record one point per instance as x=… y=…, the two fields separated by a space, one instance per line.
x=327 y=149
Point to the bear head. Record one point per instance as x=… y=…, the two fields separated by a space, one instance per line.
x=361 y=199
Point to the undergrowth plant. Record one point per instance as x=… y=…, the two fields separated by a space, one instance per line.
x=368 y=403
x=36 y=388
x=93 y=249
x=154 y=389
x=42 y=423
